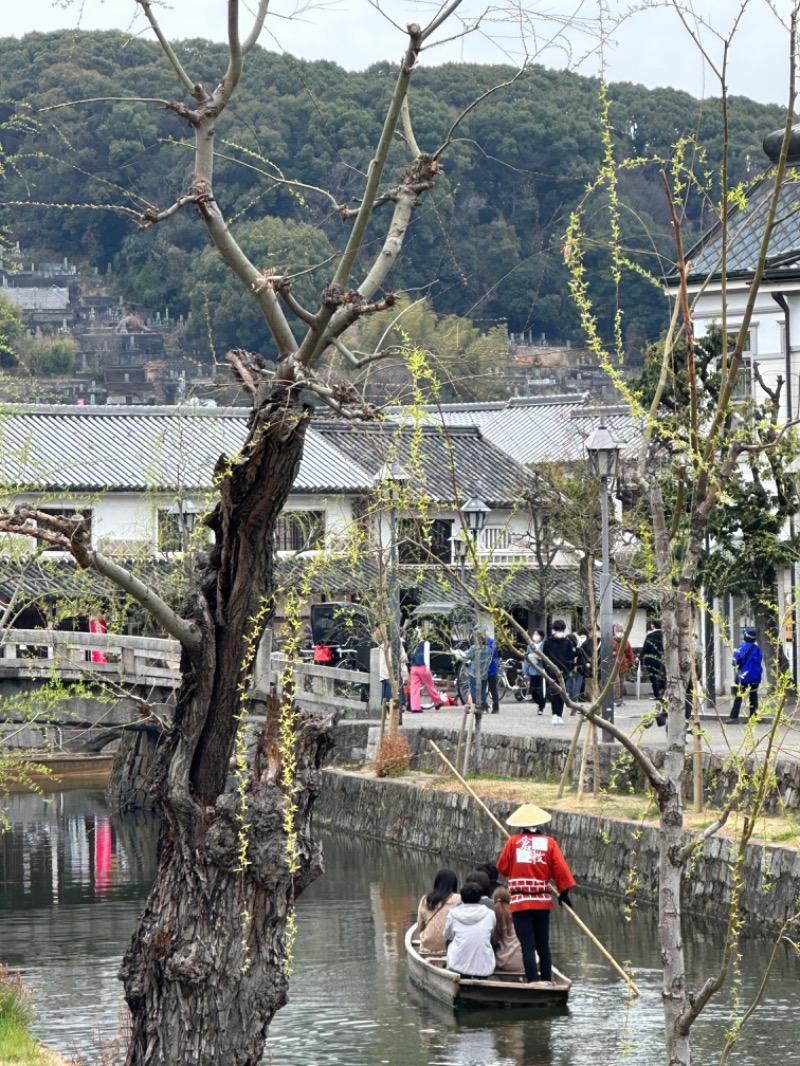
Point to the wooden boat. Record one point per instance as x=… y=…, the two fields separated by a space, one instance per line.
x=430 y=973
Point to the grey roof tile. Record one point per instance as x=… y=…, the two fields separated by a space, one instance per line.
x=455 y=456
x=93 y=449
x=537 y=430
x=745 y=231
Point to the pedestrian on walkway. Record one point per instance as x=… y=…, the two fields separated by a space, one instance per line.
x=559 y=657
x=748 y=662
x=532 y=669
x=421 y=676
x=574 y=683
x=478 y=658
x=494 y=669
x=653 y=662
x=626 y=664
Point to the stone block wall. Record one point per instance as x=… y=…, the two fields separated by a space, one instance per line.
x=544 y=758
x=614 y=857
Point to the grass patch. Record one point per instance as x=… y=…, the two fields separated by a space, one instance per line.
x=772 y=829
x=17 y=1046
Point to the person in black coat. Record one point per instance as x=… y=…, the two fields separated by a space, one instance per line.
x=561 y=653
x=652 y=658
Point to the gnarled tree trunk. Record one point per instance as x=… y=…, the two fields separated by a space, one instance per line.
x=206 y=969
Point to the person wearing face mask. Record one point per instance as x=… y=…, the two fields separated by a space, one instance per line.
x=532 y=669
x=559 y=657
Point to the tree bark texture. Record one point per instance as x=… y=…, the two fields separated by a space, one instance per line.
x=206 y=969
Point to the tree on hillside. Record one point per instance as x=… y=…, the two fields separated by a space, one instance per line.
x=693 y=447
x=207 y=967
x=10 y=330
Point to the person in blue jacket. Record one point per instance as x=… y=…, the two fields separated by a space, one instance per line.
x=748 y=663
x=494 y=670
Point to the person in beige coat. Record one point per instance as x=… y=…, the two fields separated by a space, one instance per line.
x=433 y=910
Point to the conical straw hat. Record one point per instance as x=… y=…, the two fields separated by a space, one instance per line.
x=528 y=815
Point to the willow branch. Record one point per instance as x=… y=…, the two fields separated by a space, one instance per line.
x=439 y=19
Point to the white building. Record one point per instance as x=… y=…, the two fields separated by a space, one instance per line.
x=773 y=339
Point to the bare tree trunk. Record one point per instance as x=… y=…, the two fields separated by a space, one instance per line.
x=206 y=969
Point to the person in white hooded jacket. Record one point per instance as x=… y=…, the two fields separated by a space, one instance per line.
x=468 y=932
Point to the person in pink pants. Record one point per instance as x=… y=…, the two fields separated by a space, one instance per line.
x=420 y=675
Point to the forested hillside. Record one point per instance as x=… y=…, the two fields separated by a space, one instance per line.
x=486 y=244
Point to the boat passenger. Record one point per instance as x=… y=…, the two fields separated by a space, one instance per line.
x=491 y=872
x=481 y=879
x=507 y=948
x=529 y=860
x=433 y=910
x=468 y=932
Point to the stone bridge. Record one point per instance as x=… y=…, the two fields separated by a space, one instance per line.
x=78 y=692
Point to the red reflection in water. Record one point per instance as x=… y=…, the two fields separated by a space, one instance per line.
x=102 y=856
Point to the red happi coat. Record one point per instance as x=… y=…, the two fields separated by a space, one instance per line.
x=529 y=860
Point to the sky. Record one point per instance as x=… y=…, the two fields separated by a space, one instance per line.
x=650 y=47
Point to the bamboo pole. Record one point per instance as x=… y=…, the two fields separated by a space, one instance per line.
x=582 y=925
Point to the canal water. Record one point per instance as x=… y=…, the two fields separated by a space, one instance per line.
x=73 y=880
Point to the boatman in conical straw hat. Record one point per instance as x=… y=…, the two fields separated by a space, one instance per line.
x=529 y=860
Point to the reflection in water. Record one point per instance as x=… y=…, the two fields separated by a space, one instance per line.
x=73 y=880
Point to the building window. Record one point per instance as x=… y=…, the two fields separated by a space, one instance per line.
x=67 y=512
x=298 y=531
x=425 y=542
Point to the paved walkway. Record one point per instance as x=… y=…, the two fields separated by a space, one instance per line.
x=522 y=719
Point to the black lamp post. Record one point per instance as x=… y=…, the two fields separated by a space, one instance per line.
x=603 y=460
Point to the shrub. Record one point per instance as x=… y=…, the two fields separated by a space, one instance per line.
x=15 y=1003
x=394 y=756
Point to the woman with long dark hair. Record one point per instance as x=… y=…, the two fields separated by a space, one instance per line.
x=433 y=910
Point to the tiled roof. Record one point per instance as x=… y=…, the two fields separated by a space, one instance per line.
x=94 y=449
x=459 y=456
x=745 y=231
x=51 y=298
x=536 y=430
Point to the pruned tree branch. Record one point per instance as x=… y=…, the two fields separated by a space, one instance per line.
x=71 y=534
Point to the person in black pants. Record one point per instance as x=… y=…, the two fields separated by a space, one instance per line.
x=562 y=654
x=653 y=661
x=530 y=859
x=748 y=661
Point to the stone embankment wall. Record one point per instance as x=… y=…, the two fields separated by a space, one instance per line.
x=613 y=857
x=544 y=758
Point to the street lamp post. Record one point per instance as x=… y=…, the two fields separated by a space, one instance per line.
x=603 y=458
x=393 y=477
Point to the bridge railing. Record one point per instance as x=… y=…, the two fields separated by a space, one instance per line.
x=37 y=653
